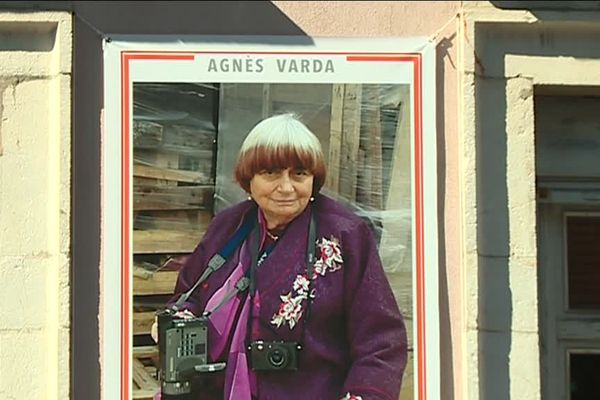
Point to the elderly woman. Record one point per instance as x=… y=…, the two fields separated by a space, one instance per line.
x=316 y=284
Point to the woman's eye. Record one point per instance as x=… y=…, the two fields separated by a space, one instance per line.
x=301 y=172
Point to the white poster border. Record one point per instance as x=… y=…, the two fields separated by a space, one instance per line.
x=129 y=59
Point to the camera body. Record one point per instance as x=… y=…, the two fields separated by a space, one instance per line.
x=274 y=356
x=183 y=353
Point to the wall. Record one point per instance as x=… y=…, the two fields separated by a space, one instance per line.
x=506 y=57
x=35 y=141
x=93 y=20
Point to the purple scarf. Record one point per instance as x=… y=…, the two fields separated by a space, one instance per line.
x=240 y=380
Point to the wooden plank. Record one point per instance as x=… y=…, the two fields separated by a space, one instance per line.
x=150 y=369
x=143 y=394
x=142 y=379
x=143 y=270
x=158 y=160
x=155 y=241
x=332 y=181
x=145 y=351
x=168 y=161
x=200 y=135
x=363 y=184
x=350 y=141
x=173 y=198
x=144 y=384
x=150 y=171
x=374 y=160
x=142 y=322
x=172 y=220
x=146 y=133
x=201 y=151
x=146 y=182
x=160 y=282
x=376 y=168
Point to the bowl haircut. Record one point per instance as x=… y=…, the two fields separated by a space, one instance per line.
x=278 y=143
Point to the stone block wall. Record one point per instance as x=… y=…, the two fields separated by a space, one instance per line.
x=35 y=205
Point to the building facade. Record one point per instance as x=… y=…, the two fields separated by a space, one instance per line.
x=518 y=144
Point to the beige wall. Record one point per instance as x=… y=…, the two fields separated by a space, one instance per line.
x=35 y=187
x=488 y=298
x=35 y=132
x=506 y=57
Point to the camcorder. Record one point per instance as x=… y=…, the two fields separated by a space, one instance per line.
x=183 y=353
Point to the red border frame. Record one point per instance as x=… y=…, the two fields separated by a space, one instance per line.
x=128 y=56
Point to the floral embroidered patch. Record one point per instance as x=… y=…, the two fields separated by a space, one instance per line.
x=290 y=310
x=331 y=256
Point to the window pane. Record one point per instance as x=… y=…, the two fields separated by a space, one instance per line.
x=583 y=261
x=567 y=128
x=585 y=369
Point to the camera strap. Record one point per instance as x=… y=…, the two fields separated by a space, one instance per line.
x=245 y=281
x=241 y=285
x=310 y=261
x=219 y=259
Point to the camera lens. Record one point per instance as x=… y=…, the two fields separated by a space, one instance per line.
x=278 y=357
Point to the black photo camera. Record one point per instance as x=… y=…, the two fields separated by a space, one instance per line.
x=273 y=356
x=183 y=353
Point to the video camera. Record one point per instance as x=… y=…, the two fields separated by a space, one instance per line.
x=183 y=350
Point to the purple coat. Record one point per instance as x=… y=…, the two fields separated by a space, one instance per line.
x=355 y=338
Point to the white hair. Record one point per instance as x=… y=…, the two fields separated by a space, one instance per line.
x=283 y=130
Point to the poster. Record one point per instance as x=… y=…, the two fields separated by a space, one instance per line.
x=176 y=112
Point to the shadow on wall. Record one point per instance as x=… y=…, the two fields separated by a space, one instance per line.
x=446 y=359
x=494 y=293
x=172 y=17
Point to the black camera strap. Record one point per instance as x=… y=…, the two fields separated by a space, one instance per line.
x=219 y=259
x=310 y=263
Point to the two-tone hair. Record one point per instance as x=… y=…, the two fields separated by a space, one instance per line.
x=280 y=142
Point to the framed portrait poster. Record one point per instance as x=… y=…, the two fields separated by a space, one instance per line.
x=176 y=112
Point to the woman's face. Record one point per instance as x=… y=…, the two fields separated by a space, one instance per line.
x=282 y=194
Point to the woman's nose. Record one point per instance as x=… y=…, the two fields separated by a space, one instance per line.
x=285 y=182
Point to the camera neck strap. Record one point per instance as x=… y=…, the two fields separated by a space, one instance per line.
x=245 y=281
x=219 y=259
